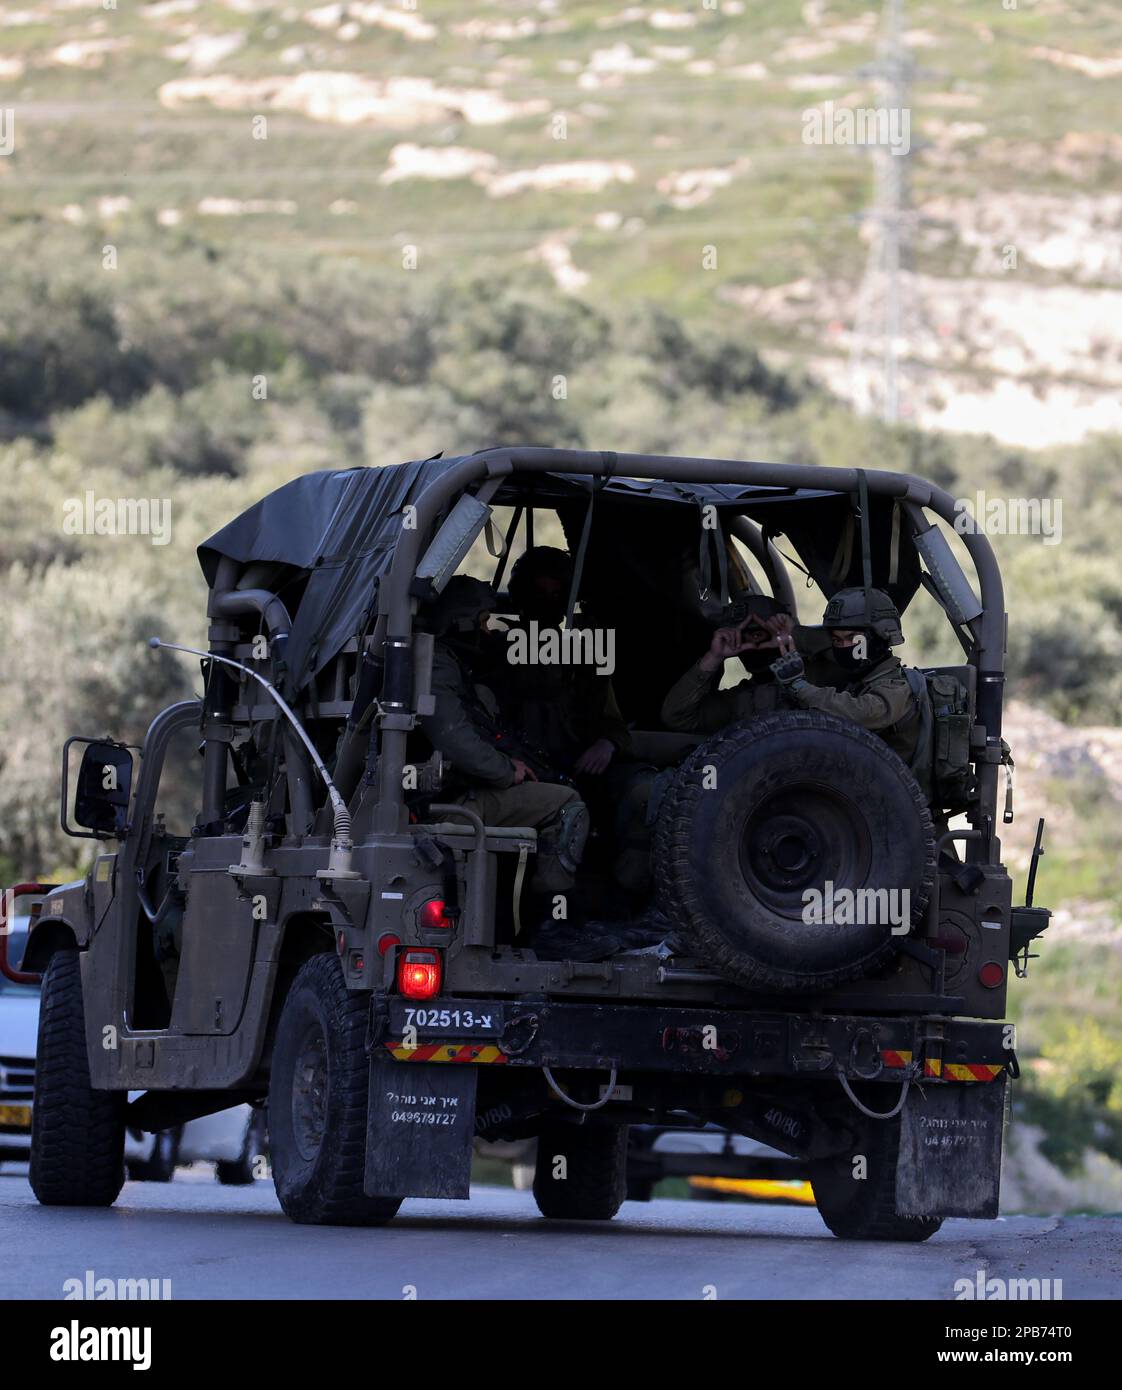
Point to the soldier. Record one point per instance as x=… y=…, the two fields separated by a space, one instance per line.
x=694 y=705
x=568 y=711
x=877 y=693
x=500 y=786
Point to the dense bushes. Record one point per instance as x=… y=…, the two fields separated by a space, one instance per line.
x=212 y=378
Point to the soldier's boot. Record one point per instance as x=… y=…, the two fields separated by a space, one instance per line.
x=571 y=937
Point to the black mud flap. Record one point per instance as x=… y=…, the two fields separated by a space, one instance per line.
x=950 y=1150
x=420 y=1129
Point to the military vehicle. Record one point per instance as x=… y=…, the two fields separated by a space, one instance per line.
x=313 y=928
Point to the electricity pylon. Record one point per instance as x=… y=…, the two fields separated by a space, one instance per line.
x=888 y=318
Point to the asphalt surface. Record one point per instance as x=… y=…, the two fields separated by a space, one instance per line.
x=220 y=1242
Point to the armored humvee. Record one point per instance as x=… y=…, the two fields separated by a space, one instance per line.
x=303 y=929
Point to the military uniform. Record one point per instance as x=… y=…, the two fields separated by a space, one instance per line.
x=559 y=709
x=694 y=704
x=464 y=728
x=880 y=700
x=877 y=695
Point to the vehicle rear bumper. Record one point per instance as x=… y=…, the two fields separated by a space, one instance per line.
x=937 y=1050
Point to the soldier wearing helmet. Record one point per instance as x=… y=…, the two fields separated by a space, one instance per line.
x=465 y=728
x=863 y=627
x=569 y=711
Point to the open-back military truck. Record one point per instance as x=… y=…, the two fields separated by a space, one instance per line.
x=301 y=929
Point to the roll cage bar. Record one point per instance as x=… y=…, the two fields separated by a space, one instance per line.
x=396 y=603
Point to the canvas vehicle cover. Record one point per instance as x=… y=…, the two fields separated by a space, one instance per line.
x=336 y=531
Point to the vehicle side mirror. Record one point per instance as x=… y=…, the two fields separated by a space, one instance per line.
x=103 y=787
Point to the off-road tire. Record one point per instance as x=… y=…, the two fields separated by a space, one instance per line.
x=862 y=812
x=317 y=1122
x=77 y=1133
x=595 y=1184
x=865 y=1208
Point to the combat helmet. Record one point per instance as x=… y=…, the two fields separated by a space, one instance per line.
x=848 y=609
x=745 y=603
x=457 y=608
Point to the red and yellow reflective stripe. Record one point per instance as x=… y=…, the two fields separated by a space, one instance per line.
x=446 y=1052
x=972 y=1071
x=895 y=1059
x=962 y=1071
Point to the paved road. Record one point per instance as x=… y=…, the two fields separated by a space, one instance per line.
x=217 y=1242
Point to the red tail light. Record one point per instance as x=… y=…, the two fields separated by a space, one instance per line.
x=991 y=974
x=433 y=914
x=418 y=974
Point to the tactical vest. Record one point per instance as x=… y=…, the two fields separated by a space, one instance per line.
x=941 y=761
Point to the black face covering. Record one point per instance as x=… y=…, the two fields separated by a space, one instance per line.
x=758 y=662
x=876 y=650
x=847 y=659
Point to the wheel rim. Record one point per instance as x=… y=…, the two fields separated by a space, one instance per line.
x=801 y=838
x=309 y=1093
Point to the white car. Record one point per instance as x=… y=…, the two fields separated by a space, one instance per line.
x=233 y=1140
x=19 y=1026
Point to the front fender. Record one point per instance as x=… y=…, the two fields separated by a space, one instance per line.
x=62 y=924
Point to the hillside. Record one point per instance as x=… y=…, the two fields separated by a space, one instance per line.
x=649 y=150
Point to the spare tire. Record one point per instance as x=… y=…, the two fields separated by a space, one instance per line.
x=771 y=808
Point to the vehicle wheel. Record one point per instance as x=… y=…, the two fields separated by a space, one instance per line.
x=77 y=1133
x=160 y=1166
x=592 y=1184
x=865 y=1208
x=238 y=1172
x=318 y=1102
x=774 y=807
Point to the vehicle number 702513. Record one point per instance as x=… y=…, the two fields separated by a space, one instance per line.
x=447 y=1018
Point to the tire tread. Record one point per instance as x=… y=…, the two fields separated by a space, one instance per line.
x=77 y=1133
x=675 y=883
x=595 y=1185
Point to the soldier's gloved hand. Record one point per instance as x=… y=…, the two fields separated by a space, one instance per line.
x=790 y=671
